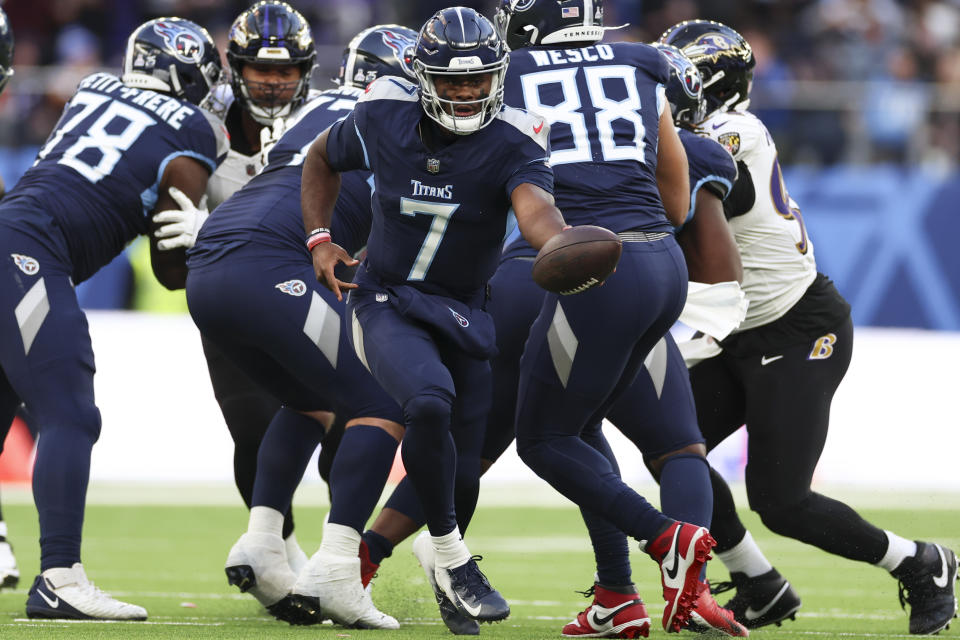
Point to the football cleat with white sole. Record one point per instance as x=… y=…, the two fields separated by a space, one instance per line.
x=681 y=552
x=9 y=573
x=257 y=564
x=457 y=623
x=610 y=615
x=760 y=600
x=927 y=584
x=67 y=593
x=709 y=617
x=330 y=584
x=470 y=591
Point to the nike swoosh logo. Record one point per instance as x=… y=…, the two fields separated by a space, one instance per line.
x=599 y=622
x=765 y=360
x=538 y=128
x=941 y=580
x=53 y=603
x=753 y=614
x=717 y=126
x=672 y=571
x=473 y=611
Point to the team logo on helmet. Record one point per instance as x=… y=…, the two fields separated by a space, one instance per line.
x=463 y=322
x=688 y=73
x=184 y=43
x=402 y=47
x=292 y=287
x=26 y=264
x=714 y=46
x=522 y=5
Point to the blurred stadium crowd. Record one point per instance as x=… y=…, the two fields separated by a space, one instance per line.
x=837 y=81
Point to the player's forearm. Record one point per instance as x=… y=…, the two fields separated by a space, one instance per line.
x=673 y=174
x=319 y=187
x=537 y=216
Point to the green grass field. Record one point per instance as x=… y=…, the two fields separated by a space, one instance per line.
x=170 y=560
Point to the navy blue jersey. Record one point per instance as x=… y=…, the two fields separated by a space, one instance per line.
x=438 y=217
x=267 y=209
x=97 y=176
x=603 y=103
x=711 y=167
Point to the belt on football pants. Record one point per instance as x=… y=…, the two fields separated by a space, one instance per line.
x=642 y=236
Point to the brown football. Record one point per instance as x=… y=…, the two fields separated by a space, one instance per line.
x=576 y=259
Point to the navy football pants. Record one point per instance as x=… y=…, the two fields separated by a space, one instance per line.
x=47 y=363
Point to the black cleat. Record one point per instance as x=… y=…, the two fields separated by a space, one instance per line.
x=760 y=600
x=470 y=591
x=456 y=622
x=927 y=584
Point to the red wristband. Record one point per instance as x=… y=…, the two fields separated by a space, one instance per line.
x=318 y=237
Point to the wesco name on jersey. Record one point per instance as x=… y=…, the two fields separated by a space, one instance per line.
x=565 y=56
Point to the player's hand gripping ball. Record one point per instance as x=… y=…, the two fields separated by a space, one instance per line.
x=577 y=259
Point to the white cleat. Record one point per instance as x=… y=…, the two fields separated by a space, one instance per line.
x=9 y=573
x=330 y=584
x=67 y=593
x=296 y=557
x=257 y=564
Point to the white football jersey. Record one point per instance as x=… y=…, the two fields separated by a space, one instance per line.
x=237 y=168
x=777 y=254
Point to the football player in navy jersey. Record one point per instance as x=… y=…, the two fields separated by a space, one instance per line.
x=778 y=371
x=271 y=55
x=9 y=573
x=656 y=412
x=118 y=148
x=619 y=163
x=448 y=162
x=252 y=292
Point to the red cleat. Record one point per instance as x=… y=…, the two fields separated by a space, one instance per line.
x=610 y=615
x=367 y=569
x=710 y=616
x=681 y=551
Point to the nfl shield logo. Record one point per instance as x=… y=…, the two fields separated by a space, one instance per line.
x=433 y=165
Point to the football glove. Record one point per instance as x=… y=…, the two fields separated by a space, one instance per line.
x=179 y=227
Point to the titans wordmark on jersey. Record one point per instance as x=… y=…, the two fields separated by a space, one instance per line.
x=266 y=210
x=777 y=254
x=438 y=217
x=603 y=104
x=107 y=155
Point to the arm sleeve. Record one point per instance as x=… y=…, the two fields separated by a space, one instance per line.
x=742 y=196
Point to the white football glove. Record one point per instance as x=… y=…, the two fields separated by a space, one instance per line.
x=269 y=136
x=180 y=226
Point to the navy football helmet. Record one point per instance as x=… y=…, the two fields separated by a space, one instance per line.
x=271 y=33
x=6 y=50
x=174 y=56
x=526 y=23
x=383 y=50
x=459 y=42
x=684 y=88
x=722 y=55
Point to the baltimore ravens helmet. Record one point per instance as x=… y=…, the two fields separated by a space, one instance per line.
x=458 y=42
x=270 y=33
x=722 y=55
x=383 y=50
x=684 y=88
x=526 y=23
x=172 y=55
x=6 y=50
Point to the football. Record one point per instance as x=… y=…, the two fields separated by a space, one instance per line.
x=576 y=259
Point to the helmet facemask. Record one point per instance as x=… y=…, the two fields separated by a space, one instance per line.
x=443 y=111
